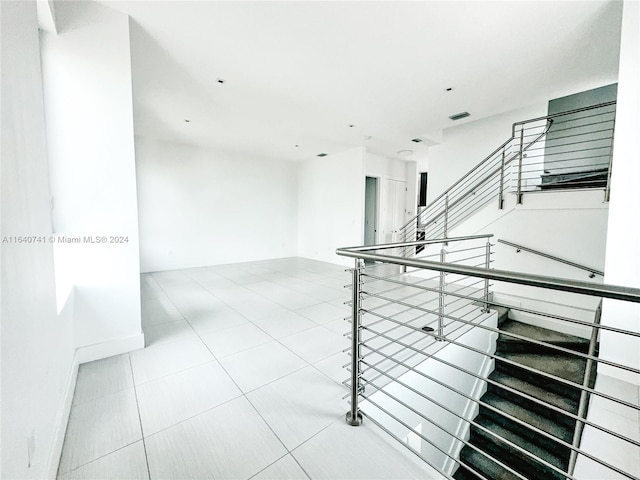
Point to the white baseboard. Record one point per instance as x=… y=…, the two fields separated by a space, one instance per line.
x=82 y=355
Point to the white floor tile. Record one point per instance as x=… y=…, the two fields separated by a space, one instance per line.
x=359 y=453
x=299 y=405
x=315 y=344
x=168 y=332
x=177 y=397
x=99 y=427
x=260 y=365
x=210 y=321
x=128 y=463
x=284 y=469
x=332 y=367
x=284 y=323
x=102 y=377
x=322 y=313
x=166 y=358
x=229 y=442
x=159 y=310
x=235 y=339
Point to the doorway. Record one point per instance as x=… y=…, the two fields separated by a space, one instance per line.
x=370 y=210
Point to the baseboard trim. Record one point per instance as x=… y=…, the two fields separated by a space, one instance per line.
x=82 y=355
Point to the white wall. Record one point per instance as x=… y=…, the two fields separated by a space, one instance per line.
x=623 y=242
x=89 y=113
x=466 y=145
x=206 y=207
x=331 y=205
x=37 y=344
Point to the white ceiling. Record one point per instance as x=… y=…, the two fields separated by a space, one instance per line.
x=299 y=73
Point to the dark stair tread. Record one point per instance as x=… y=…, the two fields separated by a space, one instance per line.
x=535 y=391
x=513 y=456
x=563 y=366
x=483 y=465
x=529 y=417
x=540 y=334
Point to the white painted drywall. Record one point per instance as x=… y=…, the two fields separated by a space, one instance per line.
x=331 y=205
x=206 y=207
x=466 y=145
x=623 y=242
x=37 y=344
x=89 y=114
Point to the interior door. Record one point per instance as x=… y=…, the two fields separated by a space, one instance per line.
x=371 y=211
x=393 y=210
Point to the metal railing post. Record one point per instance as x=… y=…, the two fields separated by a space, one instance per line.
x=487 y=263
x=354 y=417
x=607 y=191
x=584 y=395
x=441 y=294
x=446 y=217
x=406 y=250
x=519 y=191
x=501 y=195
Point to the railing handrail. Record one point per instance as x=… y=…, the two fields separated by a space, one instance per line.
x=552 y=257
x=616 y=292
x=417 y=243
x=513 y=134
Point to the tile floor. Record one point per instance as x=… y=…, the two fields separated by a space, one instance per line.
x=241 y=378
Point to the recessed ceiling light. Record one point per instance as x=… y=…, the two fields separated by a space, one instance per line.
x=460 y=115
x=416 y=140
x=186 y=120
x=448 y=89
x=405 y=153
x=220 y=80
x=296 y=146
x=351 y=125
x=321 y=155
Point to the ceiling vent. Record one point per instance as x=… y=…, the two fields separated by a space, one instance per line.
x=417 y=140
x=321 y=155
x=459 y=116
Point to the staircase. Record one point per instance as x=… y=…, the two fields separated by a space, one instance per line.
x=503 y=402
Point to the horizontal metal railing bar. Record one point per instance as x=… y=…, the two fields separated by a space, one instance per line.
x=381 y=408
x=502 y=413
x=505 y=387
x=586 y=288
x=551 y=142
x=554 y=116
x=412 y=450
x=551 y=257
x=593 y=115
x=363 y=248
x=471 y=422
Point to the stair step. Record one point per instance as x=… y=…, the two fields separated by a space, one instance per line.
x=565 y=367
x=540 y=422
x=483 y=465
x=547 y=396
x=507 y=343
x=519 y=461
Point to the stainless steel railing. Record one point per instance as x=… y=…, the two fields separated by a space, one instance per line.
x=421 y=337
x=566 y=150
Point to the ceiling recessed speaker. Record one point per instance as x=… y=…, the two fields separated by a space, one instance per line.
x=458 y=116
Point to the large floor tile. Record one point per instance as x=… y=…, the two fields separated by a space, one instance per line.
x=284 y=323
x=99 y=427
x=128 y=463
x=166 y=358
x=204 y=322
x=228 y=442
x=102 y=377
x=168 y=332
x=299 y=405
x=177 y=397
x=359 y=453
x=315 y=344
x=322 y=313
x=159 y=310
x=258 y=366
x=284 y=469
x=333 y=367
x=235 y=339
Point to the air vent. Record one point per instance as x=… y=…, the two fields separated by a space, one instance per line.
x=458 y=116
x=321 y=155
x=417 y=140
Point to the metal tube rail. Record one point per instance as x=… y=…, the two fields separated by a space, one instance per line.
x=552 y=257
x=616 y=292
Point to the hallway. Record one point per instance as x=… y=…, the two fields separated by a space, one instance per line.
x=241 y=378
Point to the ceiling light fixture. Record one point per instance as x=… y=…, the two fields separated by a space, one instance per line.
x=351 y=125
x=416 y=140
x=186 y=120
x=321 y=155
x=220 y=80
x=460 y=115
x=448 y=89
x=405 y=153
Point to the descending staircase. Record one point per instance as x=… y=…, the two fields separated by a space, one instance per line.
x=558 y=425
